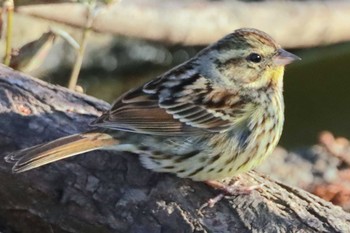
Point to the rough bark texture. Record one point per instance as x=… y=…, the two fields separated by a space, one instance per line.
x=291 y=23
x=110 y=192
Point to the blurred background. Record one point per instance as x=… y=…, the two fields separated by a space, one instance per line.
x=112 y=46
x=131 y=42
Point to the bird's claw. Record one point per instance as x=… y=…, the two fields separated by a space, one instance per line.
x=228 y=190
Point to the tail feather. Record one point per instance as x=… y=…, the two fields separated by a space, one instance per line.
x=59 y=149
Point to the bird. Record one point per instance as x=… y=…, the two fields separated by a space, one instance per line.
x=215 y=116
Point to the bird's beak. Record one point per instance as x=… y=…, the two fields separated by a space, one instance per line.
x=283 y=58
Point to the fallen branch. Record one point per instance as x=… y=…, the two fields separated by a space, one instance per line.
x=291 y=23
x=110 y=192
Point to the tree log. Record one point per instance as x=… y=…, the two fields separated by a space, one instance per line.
x=291 y=23
x=111 y=192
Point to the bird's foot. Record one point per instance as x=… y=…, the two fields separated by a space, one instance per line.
x=236 y=188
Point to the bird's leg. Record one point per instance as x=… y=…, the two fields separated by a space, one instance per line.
x=233 y=189
x=228 y=189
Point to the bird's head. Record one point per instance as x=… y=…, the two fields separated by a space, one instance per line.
x=248 y=58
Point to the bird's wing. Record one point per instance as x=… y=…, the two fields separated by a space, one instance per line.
x=180 y=102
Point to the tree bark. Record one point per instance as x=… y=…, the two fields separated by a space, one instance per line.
x=111 y=192
x=292 y=23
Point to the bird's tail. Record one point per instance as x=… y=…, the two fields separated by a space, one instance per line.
x=59 y=149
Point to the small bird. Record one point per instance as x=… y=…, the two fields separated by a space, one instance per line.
x=215 y=116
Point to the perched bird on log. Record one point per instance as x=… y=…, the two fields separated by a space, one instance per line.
x=215 y=116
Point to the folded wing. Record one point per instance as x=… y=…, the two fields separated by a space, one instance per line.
x=180 y=102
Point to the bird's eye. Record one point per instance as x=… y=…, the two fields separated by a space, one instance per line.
x=254 y=57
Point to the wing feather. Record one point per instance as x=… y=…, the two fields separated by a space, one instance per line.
x=178 y=103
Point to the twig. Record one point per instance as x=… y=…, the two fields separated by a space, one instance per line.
x=9 y=6
x=79 y=59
